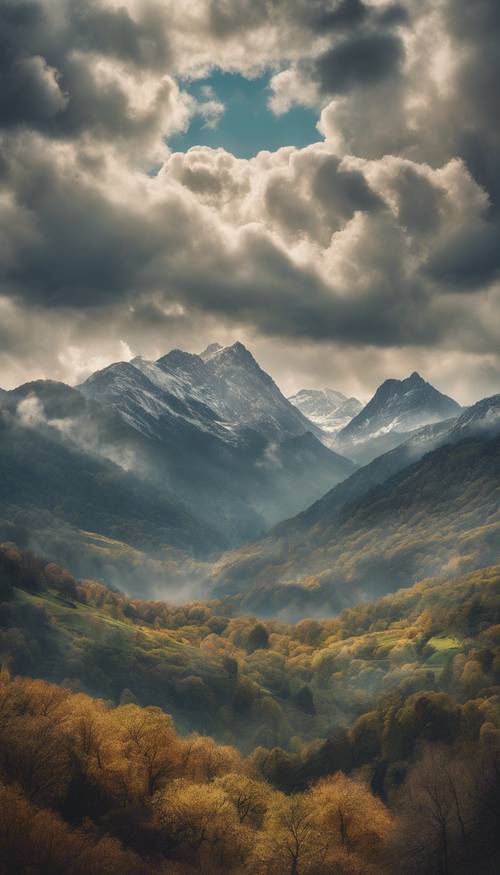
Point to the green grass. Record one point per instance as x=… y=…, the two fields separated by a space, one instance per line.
x=443 y=643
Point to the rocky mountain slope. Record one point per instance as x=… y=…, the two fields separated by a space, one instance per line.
x=397 y=408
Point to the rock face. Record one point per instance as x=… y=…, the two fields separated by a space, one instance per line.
x=397 y=408
x=233 y=384
x=329 y=409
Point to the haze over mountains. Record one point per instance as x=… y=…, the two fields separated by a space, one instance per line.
x=209 y=441
x=171 y=463
x=329 y=409
x=429 y=506
x=397 y=408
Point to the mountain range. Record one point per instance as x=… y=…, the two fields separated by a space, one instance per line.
x=195 y=470
x=191 y=453
x=428 y=506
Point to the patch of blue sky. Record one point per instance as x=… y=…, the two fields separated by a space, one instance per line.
x=247 y=125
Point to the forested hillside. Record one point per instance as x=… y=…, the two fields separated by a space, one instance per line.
x=354 y=733
x=440 y=514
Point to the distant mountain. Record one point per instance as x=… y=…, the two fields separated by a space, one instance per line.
x=329 y=409
x=483 y=416
x=479 y=419
x=427 y=506
x=397 y=408
x=318 y=402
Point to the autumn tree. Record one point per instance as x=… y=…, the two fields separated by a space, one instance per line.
x=291 y=842
x=151 y=748
x=351 y=816
x=201 y=825
x=250 y=798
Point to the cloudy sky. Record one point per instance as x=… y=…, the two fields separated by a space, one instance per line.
x=318 y=178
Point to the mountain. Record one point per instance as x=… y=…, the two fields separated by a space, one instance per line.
x=160 y=468
x=318 y=402
x=481 y=418
x=427 y=507
x=212 y=425
x=47 y=478
x=236 y=387
x=329 y=409
x=484 y=416
x=397 y=408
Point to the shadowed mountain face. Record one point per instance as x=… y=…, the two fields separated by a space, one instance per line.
x=47 y=480
x=196 y=453
x=428 y=506
x=397 y=408
x=329 y=409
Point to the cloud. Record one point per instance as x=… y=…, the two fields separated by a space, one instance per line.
x=299 y=243
x=383 y=235
x=359 y=61
x=30 y=411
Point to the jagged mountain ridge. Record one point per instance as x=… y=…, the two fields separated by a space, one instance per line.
x=219 y=426
x=402 y=406
x=223 y=392
x=236 y=387
x=398 y=408
x=46 y=474
x=482 y=417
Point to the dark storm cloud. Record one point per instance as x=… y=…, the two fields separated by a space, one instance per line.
x=48 y=75
x=418 y=201
x=362 y=60
x=468 y=260
x=322 y=198
x=113 y=32
x=71 y=246
x=476 y=29
x=260 y=284
x=350 y=14
x=344 y=15
x=69 y=243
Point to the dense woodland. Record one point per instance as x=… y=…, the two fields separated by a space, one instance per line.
x=365 y=744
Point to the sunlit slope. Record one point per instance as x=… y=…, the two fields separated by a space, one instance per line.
x=439 y=515
x=248 y=682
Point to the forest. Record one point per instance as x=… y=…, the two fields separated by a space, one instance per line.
x=143 y=737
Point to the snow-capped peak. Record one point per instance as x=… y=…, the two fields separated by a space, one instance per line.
x=399 y=406
x=223 y=390
x=329 y=409
x=211 y=349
